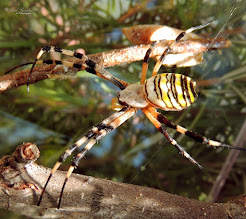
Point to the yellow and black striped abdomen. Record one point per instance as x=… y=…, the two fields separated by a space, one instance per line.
x=170 y=91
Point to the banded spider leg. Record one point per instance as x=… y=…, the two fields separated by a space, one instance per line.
x=92 y=137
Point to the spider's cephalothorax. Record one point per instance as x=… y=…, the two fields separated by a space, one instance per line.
x=165 y=91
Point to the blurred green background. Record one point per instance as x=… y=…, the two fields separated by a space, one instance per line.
x=57 y=112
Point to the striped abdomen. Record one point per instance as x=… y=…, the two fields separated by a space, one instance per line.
x=170 y=91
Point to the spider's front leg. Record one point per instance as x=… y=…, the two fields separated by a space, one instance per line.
x=92 y=137
x=87 y=64
x=169 y=48
x=164 y=54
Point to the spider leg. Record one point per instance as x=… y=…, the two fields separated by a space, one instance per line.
x=50 y=62
x=202 y=139
x=158 y=125
x=91 y=66
x=93 y=136
x=146 y=62
x=128 y=112
x=169 y=48
x=18 y=66
x=103 y=125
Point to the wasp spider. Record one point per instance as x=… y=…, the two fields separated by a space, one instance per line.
x=166 y=91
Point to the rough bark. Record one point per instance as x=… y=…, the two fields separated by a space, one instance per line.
x=84 y=196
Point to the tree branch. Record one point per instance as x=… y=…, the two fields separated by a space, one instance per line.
x=111 y=58
x=22 y=180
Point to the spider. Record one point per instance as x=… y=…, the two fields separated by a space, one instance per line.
x=167 y=91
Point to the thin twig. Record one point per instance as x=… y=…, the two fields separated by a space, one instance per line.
x=133 y=10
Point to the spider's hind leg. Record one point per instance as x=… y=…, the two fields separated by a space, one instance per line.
x=152 y=117
x=92 y=137
x=199 y=138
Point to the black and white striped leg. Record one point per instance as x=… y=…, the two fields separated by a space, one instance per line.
x=94 y=135
x=128 y=112
x=168 y=49
x=199 y=138
x=18 y=66
x=152 y=117
x=92 y=67
x=69 y=151
x=104 y=125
